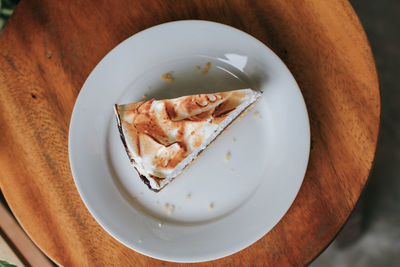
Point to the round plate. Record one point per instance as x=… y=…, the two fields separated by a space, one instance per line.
x=218 y=206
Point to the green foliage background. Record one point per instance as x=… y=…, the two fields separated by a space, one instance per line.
x=6 y=9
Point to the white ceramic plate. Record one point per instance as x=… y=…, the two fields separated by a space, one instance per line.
x=249 y=193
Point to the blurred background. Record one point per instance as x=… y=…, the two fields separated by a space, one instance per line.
x=6 y=9
x=371 y=237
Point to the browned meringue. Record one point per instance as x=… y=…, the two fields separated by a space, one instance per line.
x=162 y=137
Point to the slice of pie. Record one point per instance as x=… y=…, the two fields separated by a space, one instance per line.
x=162 y=137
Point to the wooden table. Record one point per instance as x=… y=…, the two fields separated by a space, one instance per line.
x=49 y=48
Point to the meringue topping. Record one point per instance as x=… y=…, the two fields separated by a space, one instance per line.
x=163 y=136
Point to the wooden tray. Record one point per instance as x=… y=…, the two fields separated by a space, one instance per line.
x=49 y=48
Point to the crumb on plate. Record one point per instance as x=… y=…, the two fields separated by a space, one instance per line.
x=166 y=206
x=211 y=206
x=227 y=156
x=171 y=209
x=168 y=77
x=206 y=68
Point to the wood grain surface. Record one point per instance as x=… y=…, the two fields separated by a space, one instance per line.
x=49 y=48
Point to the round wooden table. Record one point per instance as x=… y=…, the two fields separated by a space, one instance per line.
x=48 y=48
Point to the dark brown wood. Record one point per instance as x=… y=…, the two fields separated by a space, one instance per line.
x=48 y=49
